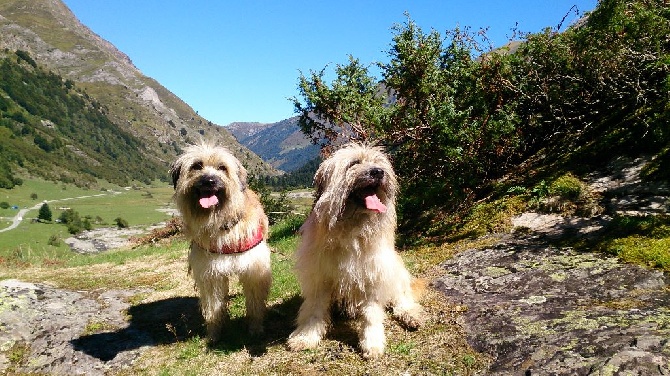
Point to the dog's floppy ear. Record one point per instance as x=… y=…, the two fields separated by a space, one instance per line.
x=319 y=184
x=242 y=176
x=175 y=171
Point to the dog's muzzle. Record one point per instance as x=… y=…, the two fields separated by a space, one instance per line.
x=365 y=194
x=207 y=190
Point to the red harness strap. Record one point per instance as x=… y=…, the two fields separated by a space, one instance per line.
x=242 y=246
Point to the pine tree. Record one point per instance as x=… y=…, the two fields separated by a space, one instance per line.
x=45 y=213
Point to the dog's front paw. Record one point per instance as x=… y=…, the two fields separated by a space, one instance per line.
x=412 y=318
x=299 y=341
x=214 y=335
x=215 y=329
x=372 y=349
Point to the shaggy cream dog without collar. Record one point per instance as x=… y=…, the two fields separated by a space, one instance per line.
x=228 y=229
x=347 y=253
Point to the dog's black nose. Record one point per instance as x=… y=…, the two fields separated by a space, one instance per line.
x=376 y=173
x=208 y=181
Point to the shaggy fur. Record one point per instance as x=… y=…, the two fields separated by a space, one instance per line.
x=347 y=253
x=209 y=171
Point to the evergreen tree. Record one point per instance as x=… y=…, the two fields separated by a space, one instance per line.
x=45 y=213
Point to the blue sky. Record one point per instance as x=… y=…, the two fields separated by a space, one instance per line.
x=240 y=60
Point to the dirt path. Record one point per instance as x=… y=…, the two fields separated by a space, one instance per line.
x=16 y=221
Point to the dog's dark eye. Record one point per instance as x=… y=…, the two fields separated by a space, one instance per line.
x=197 y=166
x=353 y=163
x=223 y=168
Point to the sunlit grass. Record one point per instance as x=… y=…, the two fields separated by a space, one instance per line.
x=158 y=275
x=640 y=240
x=30 y=241
x=641 y=250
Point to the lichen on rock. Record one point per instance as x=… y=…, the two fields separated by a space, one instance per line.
x=559 y=311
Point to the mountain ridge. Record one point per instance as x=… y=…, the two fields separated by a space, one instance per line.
x=55 y=39
x=281 y=144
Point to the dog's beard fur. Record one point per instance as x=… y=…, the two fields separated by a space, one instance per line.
x=347 y=252
x=229 y=215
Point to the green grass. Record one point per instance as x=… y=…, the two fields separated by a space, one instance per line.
x=641 y=250
x=640 y=240
x=137 y=206
x=29 y=242
x=166 y=308
x=21 y=196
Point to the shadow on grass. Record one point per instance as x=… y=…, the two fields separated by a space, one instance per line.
x=178 y=320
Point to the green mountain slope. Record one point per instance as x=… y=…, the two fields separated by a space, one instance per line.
x=143 y=124
x=50 y=129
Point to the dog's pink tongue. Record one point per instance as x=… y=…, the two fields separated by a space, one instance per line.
x=207 y=202
x=372 y=202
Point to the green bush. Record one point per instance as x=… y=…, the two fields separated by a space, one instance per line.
x=55 y=241
x=72 y=221
x=567 y=187
x=120 y=222
x=276 y=206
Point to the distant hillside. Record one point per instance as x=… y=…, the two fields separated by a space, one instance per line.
x=153 y=122
x=242 y=130
x=281 y=144
x=50 y=129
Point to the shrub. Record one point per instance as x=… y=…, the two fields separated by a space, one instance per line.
x=276 y=207
x=86 y=224
x=120 y=222
x=72 y=221
x=567 y=187
x=75 y=227
x=55 y=241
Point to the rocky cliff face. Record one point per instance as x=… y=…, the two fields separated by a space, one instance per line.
x=63 y=43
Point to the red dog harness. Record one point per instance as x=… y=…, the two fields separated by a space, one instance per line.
x=242 y=246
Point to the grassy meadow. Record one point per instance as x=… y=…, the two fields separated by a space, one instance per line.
x=30 y=241
x=157 y=274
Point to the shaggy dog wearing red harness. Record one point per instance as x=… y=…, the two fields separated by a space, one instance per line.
x=347 y=254
x=228 y=228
